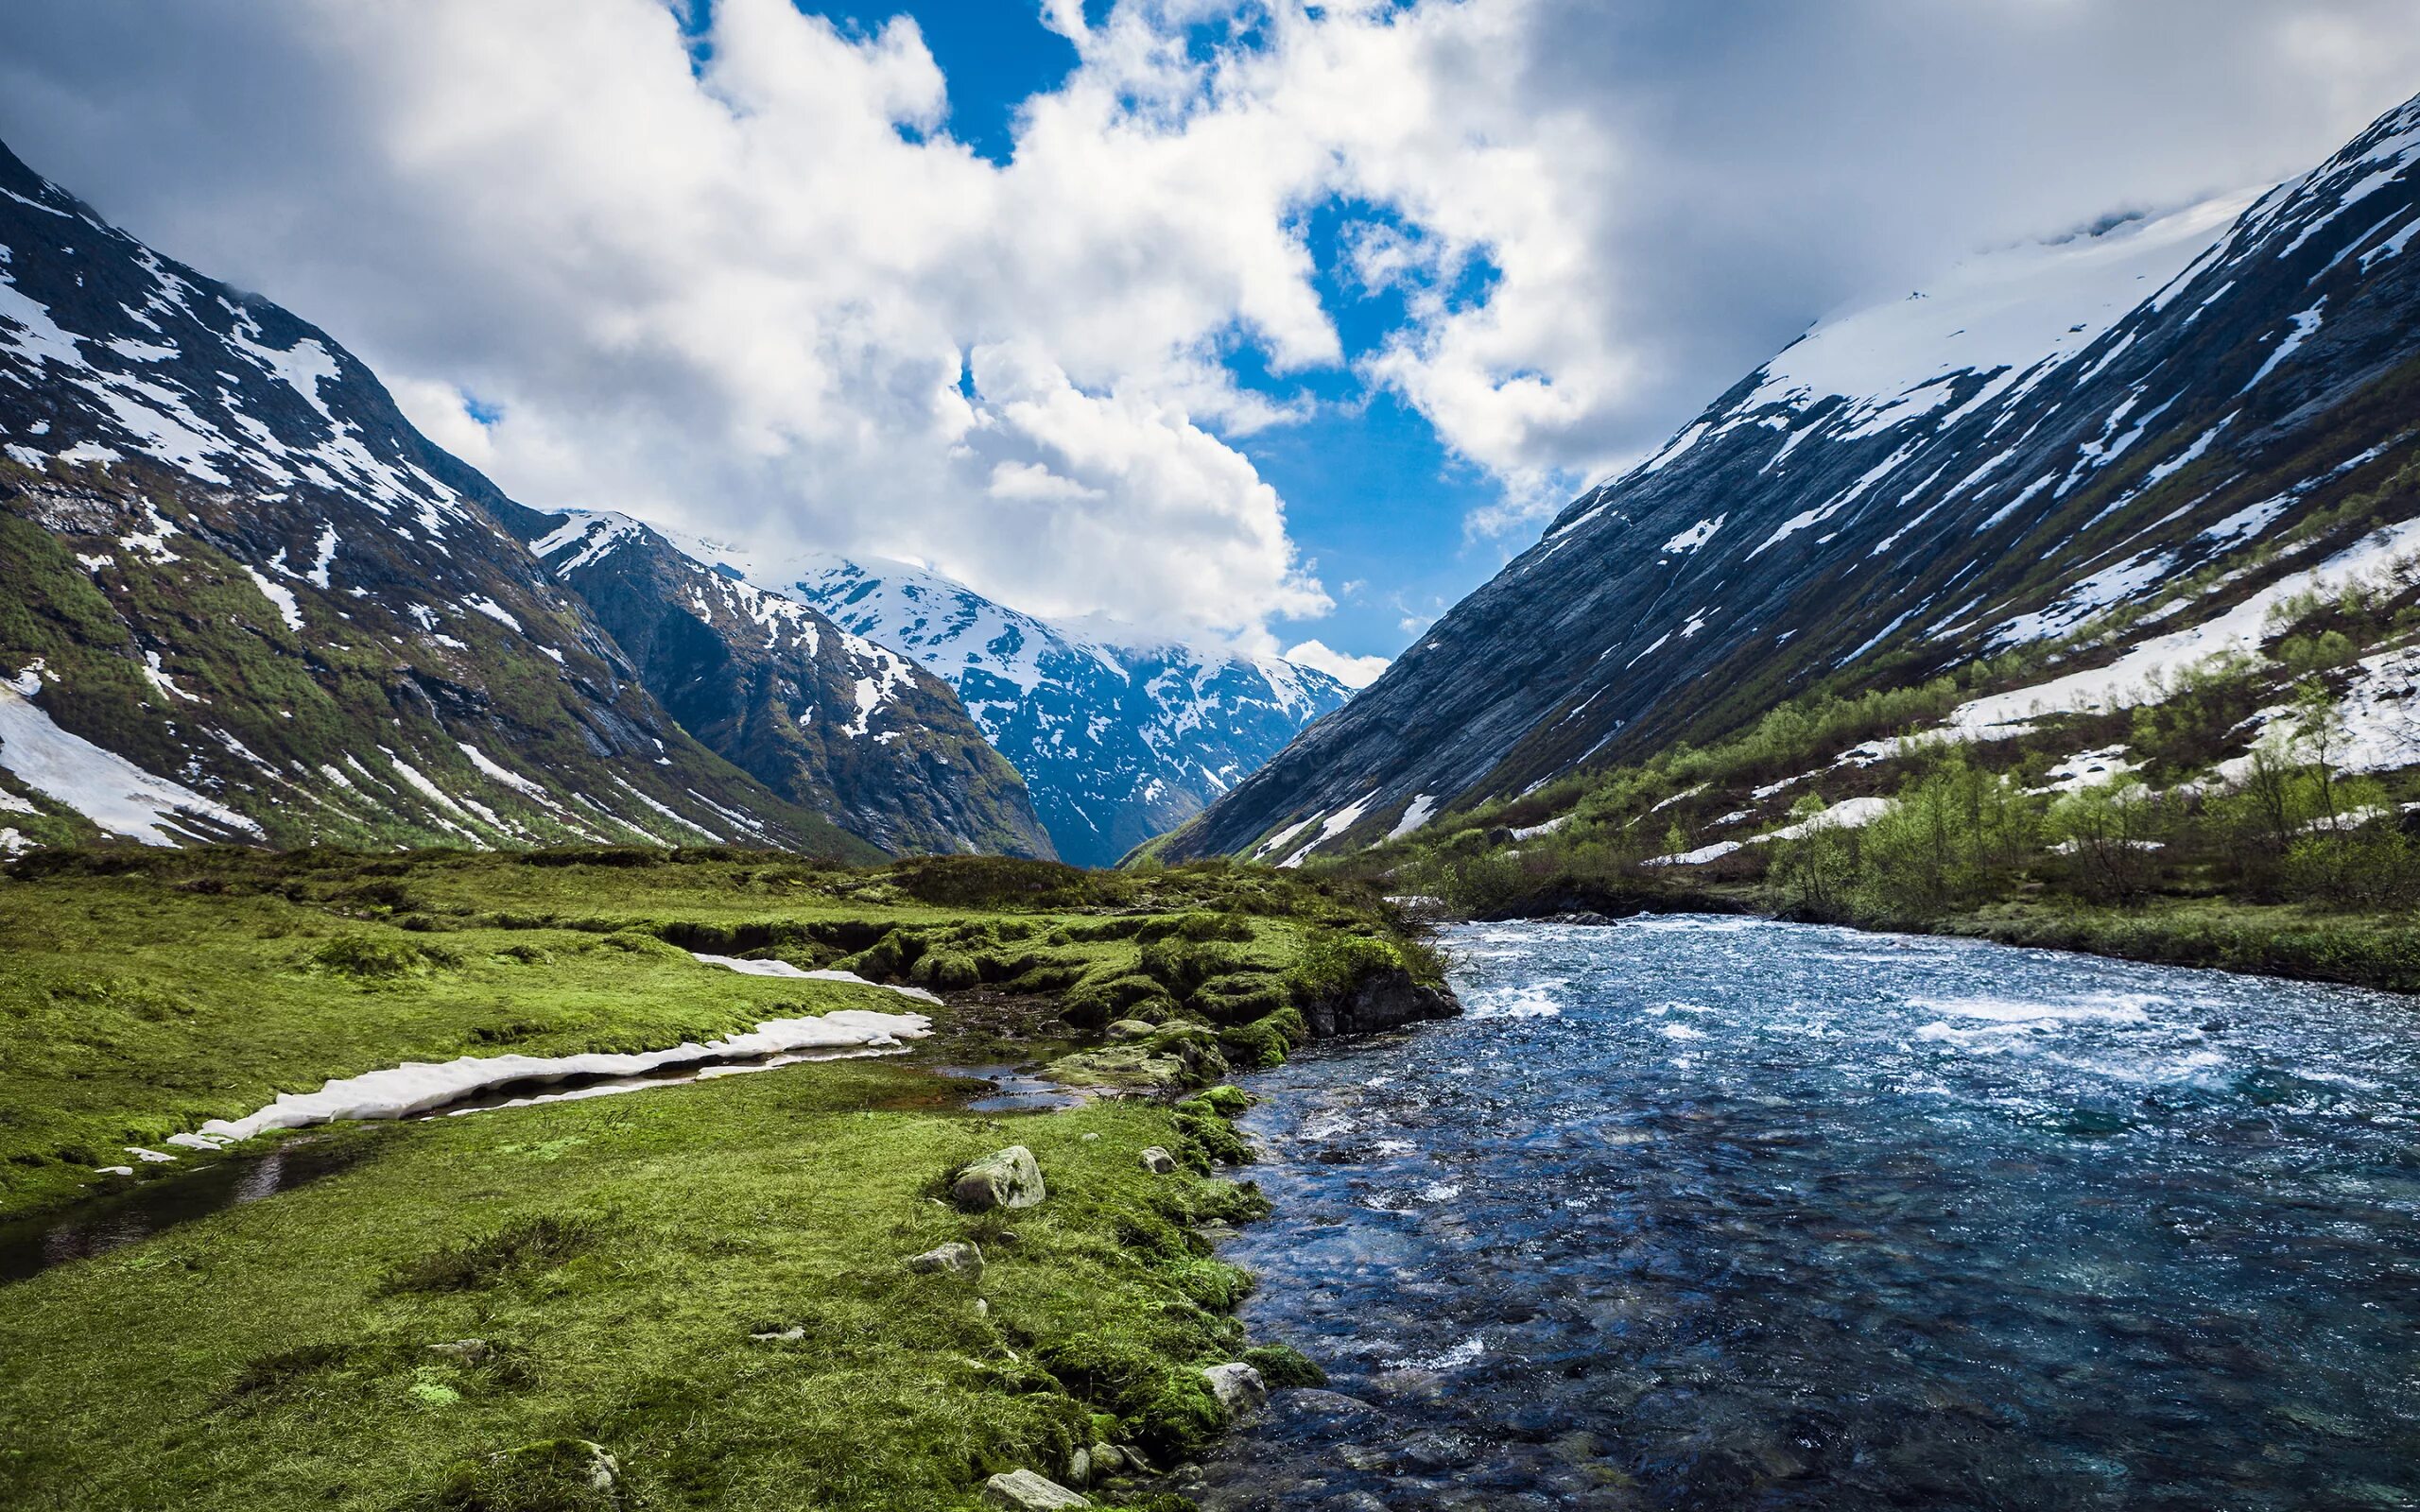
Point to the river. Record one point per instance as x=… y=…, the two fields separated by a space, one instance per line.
x=1724 y=1214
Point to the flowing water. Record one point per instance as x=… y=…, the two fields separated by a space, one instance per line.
x=1722 y=1214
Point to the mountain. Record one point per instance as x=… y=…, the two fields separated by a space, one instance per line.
x=827 y=719
x=1120 y=737
x=2048 y=439
x=248 y=601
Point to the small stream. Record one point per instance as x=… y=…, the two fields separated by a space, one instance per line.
x=1723 y=1213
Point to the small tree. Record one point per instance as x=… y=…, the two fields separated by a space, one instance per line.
x=2110 y=829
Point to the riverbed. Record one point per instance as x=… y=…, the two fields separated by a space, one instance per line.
x=1711 y=1213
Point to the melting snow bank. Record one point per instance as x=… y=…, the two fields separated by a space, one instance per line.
x=786 y=969
x=99 y=783
x=417 y=1086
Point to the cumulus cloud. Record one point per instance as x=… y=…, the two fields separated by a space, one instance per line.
x=748 y=283
x=1352 y=671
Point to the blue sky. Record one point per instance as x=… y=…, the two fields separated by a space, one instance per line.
x=1259 y=321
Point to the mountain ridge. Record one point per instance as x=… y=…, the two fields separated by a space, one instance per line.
x=1791 y=531
x=251 y=602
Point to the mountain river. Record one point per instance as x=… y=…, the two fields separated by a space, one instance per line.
x=1724 y=1214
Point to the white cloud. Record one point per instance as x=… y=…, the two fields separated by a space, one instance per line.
x=757 y=289
x=1352 y=671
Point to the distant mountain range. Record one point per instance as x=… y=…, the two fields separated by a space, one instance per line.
x=1120 y=736
x=2048 y=437
x=248 y=601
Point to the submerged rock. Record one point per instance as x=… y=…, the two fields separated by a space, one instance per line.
x=957 y=1257
x=1004 y=1178
x=1158 y=1161
x=1029 y=1492
x=1239 y=1387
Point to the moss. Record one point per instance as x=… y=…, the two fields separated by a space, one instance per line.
x=1285 y=1367
x=1267 y=1041
x=370 y=958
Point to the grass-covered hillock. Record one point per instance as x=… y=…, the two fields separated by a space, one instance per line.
x=697 y=1295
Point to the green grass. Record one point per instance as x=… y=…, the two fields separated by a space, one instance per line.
x=143 y=994
x=615 y=1257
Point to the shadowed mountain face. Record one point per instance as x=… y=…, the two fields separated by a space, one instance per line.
x=2048 y=434
x=246 y=600
x=827 y=719
x=1120 y=738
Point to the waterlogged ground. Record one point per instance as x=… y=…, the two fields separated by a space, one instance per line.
x=1698 y=1213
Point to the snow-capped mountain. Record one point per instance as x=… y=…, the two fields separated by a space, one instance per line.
x=829 y=720
x=2045 y=436
x=1120 y=737
x=246 y=600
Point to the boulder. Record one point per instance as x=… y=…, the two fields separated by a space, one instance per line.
x=1004 y=1178
x=1029 y=1492
x=956 y=1258
x=1133 y=1029
x=1380 y=1001
x=1158 y=1161
x=1238 y=1388
x=1080 y=1469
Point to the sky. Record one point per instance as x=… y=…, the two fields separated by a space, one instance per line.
x=1271 y=323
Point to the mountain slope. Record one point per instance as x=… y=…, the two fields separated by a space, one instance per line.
x=827 y=719
x=2048 y=436
x=248 y=601
x=1121 y=739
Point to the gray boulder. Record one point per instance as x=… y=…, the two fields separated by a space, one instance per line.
x=1238 y=1388
x=1158 y=1161
x=1029 y=1492
x=956 y=1258
x=1004 y=1178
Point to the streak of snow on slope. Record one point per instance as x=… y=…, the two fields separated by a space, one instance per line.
x=2014 y=309
x=98 y=784
x=2124 y=683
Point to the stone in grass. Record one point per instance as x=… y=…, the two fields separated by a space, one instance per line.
x=569 y=1474
x=1029 y=1492
x=462 y=1352
x=1158 y=1161
x=956 y=1258
x=1004 y=1178
x=1238 y=1386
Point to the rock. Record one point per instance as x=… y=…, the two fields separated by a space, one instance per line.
x=1158 y=1161
x=1107 y=1460
x=1080 y=1469
x=1004 y=1178
x=463 y=1352
x=1029 y=1492
x=1383 y=999
x=1092 y=1139
x=1133 y=1029
x=956 y=1258
x=789 y=1335
x=1238 y=1388
x=982 y=1308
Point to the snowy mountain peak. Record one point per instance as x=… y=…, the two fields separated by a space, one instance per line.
x=1120 y=735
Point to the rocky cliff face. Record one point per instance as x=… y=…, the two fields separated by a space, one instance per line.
x=1120 y=737
x=2048 y=435
x=827 y=719
x=246 y=600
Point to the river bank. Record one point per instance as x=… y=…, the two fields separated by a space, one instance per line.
x=706 y=1279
